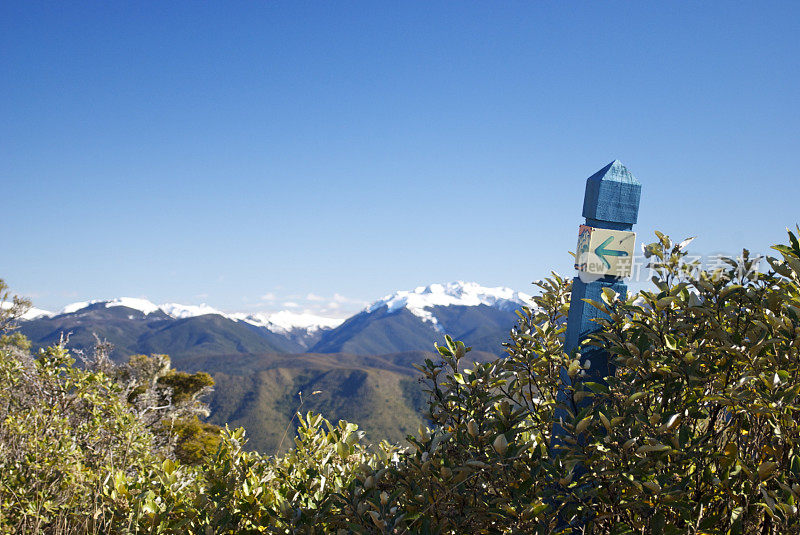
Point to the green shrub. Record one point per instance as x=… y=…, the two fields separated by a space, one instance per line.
x=485 y=467
x=695 y=431
x=62 y=431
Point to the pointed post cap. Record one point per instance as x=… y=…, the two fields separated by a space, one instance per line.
x=612 y=195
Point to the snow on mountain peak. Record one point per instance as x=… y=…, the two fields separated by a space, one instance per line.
x=279 y=322
x=146 y=307
x=459 y=293
x=179 y=311
x=142 y=305
x=290 y=320
x=418 y=301
x=34 y=313
x=286 y=321
x=74 y=307
x=31 y=314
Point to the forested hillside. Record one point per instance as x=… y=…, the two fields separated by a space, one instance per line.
x=262 y=392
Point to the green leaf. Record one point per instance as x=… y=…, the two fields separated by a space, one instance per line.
x=682 y=245
x=729 y=290
x=168 y=466
x=636 y=395
x=149 y=506
x=597 y=388
x=736 y=513
x=664 y=302
x=793 y=239
x=609 y=295
x=598 y=306
x=443 y=351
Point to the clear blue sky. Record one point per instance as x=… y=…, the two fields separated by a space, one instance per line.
x=221 y=152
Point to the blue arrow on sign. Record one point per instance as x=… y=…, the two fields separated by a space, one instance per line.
x=602 y=252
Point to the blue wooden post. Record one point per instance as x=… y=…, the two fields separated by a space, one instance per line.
x=611 y=207
x=611 y=202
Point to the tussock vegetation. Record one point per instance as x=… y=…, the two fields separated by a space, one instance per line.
x=695 y=432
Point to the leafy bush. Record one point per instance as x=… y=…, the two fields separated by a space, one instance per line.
x=237 y=491
x=167 y=401
x=62 y=431
x=80 y=452
x=695 y=431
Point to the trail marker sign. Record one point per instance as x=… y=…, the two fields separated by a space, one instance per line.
x=603 y=259
x=604 y=251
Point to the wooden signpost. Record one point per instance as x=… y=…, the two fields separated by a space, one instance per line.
x=604 y=255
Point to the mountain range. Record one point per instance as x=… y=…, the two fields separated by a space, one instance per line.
x=268 y=366
x=402 y=321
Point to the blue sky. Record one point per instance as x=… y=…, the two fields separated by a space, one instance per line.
x=248 y=154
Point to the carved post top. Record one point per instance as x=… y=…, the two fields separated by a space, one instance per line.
x=612 y=197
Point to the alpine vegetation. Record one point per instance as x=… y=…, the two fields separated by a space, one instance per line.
x=694 y=431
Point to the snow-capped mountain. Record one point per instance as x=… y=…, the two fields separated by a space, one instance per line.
x=303 y=328
x=31 y=313
x=135 y=325
x=287 y=321
x=415 y=319
x=402 y=321
x=422 y=300
x=283 y=322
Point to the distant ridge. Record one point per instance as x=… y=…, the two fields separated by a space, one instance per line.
x=285 y=320
x=414 y=320
x=406 y=320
